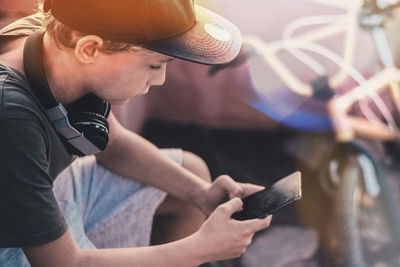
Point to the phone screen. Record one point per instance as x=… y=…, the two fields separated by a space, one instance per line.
x=269 y=200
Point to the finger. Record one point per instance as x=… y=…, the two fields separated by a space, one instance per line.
x=249 y=189
x=230 y=186
x=258 y=224
x=230 y=207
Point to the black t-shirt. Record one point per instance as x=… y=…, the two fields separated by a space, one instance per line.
x=31 y=156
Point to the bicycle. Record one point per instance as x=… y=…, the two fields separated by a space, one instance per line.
x=350 y=175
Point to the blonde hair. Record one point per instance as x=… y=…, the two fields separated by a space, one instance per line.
x=64 y=36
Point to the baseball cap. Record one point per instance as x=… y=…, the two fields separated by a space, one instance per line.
x=178 y=28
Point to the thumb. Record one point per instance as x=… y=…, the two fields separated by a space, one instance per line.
x=257 y=224
x=228 y=208
x=249 y=189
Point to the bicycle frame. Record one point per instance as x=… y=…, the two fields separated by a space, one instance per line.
x=346 y=126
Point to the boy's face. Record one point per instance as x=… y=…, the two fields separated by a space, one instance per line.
x=123 y=75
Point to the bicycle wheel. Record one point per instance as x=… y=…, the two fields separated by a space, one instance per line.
x=345 y=240
x=364 y=224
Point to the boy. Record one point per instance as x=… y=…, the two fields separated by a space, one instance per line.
x=92 y=51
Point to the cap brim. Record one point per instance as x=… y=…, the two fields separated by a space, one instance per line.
x=212 y=40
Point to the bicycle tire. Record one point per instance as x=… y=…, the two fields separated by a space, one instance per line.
x=347 y=249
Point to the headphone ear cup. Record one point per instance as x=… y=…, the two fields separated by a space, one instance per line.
x=92 y=103
x=94 y=127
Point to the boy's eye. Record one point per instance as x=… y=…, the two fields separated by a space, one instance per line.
x=155 y=67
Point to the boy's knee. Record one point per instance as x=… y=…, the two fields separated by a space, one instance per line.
x=196 y=164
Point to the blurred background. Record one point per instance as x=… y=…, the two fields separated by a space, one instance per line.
x=245 y=120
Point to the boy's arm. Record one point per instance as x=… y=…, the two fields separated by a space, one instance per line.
x=65 y=252
x=220 y=237
x=130 y=155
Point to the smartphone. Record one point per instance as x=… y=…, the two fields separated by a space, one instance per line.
x=267 y=201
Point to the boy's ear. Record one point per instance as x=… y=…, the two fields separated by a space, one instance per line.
x=87 y=48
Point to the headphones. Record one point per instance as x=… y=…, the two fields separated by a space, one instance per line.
x=81 y=125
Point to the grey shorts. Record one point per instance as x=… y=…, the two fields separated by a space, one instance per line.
x=102 y=209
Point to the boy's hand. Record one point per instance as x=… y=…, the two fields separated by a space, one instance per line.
x=221 y=237
x=223 y=189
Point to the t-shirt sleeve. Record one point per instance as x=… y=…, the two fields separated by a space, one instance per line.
x=29 y=213
x=24 y=26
